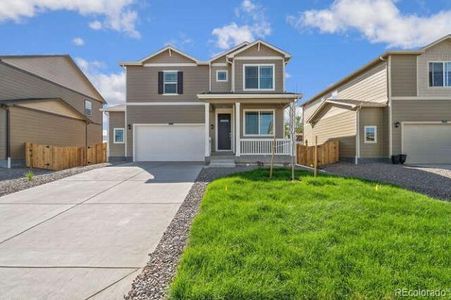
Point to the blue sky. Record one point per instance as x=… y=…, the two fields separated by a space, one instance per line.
x=327 y=39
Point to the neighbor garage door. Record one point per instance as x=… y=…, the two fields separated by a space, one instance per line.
x=427 y=143
x=169 y=142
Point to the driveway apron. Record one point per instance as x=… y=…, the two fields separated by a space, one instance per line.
x=88 y=236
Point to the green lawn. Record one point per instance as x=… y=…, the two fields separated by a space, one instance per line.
x=325 y=237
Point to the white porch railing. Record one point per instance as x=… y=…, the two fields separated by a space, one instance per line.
x=264 y=146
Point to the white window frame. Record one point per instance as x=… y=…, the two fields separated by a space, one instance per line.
x=176 y=83
x=258 y=74
x=444 y=62
x=258 y=126
x=226 y=73
x=86 y=108
x=375 y=134
x=114 y=135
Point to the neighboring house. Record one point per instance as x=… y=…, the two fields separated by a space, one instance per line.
x=399 y=103
x=45 y=99
x=181 y=109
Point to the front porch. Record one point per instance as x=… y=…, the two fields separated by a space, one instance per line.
x=247 y=132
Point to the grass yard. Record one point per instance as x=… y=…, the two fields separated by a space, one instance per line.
x=325 y=237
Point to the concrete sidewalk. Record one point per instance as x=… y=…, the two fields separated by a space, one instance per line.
x=88 y=236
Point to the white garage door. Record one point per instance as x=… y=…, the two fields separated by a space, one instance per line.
x=427 y=143
x=169 y=142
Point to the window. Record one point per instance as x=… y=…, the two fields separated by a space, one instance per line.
x=118 y=137
x=221 y=75
x=259 y=122
x=370 y=134
x=258 y=77
x=170 y=82
x=88 y=108
x=440 y=74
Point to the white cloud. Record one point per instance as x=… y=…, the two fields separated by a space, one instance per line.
x=96 y=25
x=111 y=86
x=117 y=14
x=255 y=25
x=78 y=41
x=379 y=21
x=180 y=42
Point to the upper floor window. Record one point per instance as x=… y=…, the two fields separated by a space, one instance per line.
x=170 y=82
x=221 y=75
x=440 y=74
x=88 y=108
x=259 y=77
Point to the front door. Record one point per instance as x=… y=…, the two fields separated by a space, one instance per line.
x=224 y=132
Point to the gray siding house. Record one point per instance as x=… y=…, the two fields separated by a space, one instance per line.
x=181 y=109
x=399 y=103
x=45 y=99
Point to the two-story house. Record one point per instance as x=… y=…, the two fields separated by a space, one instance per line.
x=45 y=99
x=181 y=109
x=399 y=103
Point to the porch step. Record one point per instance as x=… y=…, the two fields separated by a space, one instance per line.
x=222 y=162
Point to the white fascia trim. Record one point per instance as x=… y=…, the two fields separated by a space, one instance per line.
x=259 y=58
x=162 y=103
x=287 y=55
x=422 y=98
x=170 y=65
x=219 y=65
x=248 y=96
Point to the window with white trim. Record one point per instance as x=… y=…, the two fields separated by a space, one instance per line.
x=170 y=82
x=88 y=108
x=258 y=77
x=370 y=134
x=221 y=76
x=258 y=122
x=440 y=74
x=118 y=135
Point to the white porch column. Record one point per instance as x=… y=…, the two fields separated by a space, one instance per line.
x=237 y=130
x=207 y=129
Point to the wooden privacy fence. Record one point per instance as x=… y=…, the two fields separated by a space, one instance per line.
x=327 y=153
x=60 y=157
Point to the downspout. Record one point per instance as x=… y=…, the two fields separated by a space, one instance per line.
x=8 y=138
x=357 y=136
x=390 y=140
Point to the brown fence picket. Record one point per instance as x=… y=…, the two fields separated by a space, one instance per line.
x=328 y=153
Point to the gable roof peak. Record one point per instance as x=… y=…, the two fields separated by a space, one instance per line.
x=261 y=42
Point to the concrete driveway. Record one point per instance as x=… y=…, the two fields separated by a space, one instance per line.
x=88 y=236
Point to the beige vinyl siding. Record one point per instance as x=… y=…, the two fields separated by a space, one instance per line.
x=221 y=86
x=162 y=115
x=417 y=111
x=51 y=106
x=310 y=108
x=370 y=86
x=404 y=75
x=58 y=69
x=169 y=57
x=16 y=84
x=372 y=117
x=95 y=135
x=279 y=111
x=142 y=84
x=116 y=120
x=338 y=126
x=439 y=52
x=42 y=128
x=259 y=51
x=239 y=74
x=2 y=134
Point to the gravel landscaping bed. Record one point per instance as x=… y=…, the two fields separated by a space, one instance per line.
x=41 y=177
x=431 y=181
x=153 y=282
